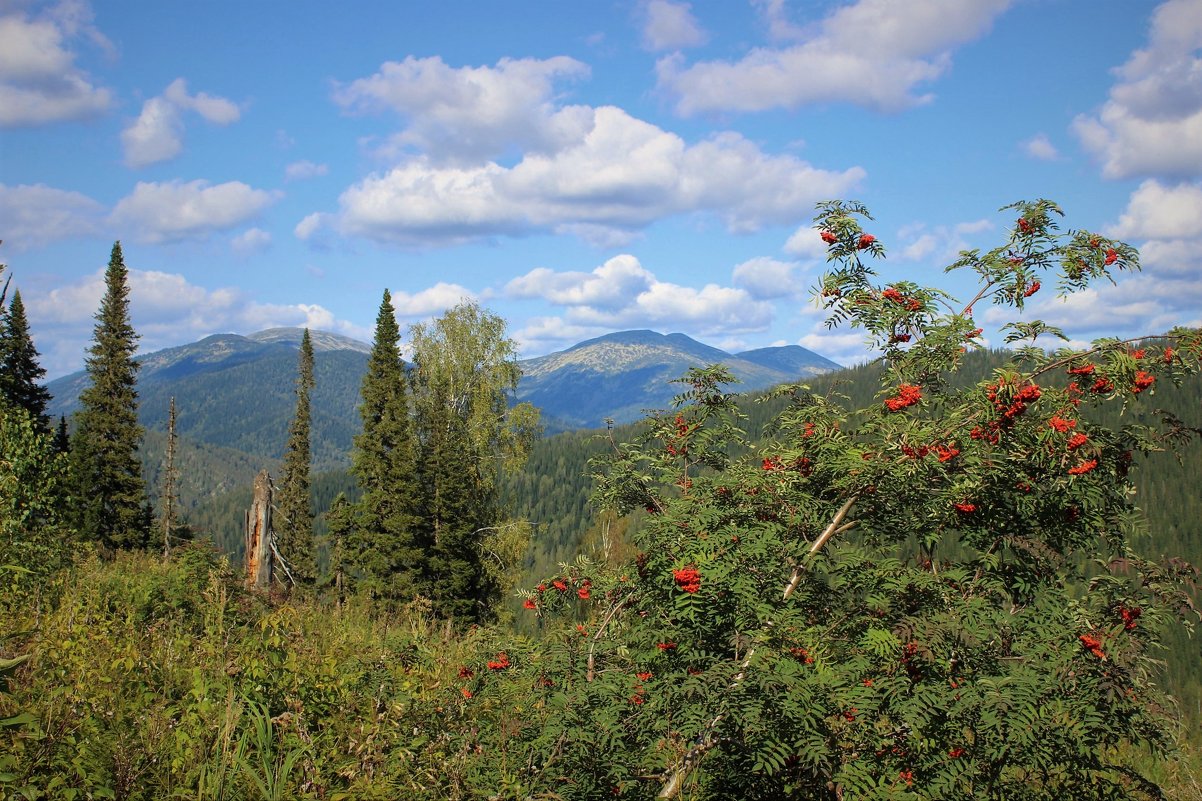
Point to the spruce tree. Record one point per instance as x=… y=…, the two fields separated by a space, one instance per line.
x=295 y=518
x=384 y=555
x=19 y=368
x=109 y=502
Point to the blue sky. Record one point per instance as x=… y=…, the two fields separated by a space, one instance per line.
x=580 y=167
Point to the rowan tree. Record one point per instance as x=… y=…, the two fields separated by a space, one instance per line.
x=108 y=495
x=937 y=595
x=385 y=555
x=294 y=525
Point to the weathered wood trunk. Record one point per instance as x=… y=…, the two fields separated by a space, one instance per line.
x=258 y=535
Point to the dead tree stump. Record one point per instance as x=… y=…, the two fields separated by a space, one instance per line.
x=259 y=534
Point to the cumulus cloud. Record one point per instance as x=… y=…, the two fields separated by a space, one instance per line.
x=621 y=175
x=1040 y=147
x=157 y=134
x=431 y=301
x=166 y=309
x=251 y=240
x=1157 y=211
x=39 y=80
x=469 y=114
x=175 y=211
x=670 y=25
x=1152 y=122
x=639 y=300
x=872 y=53
x=843 y=347
x=32 y=215
x=299 y=170
x=941 y=243
x=769 y=279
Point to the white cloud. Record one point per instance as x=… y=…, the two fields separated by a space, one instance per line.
x=157 y=134
x=166 y=310
x=431 y=301
x=643 y=302
x=768 y=279
x=1152 y=122
x=299 y=170
x=35 y=215
x=609 y=287
x=175 y=211
x=309 y=226
x=670 y=25
x=872 y=53
x=806 y=243
x=469 y=114
x=39 y=81
x=622 y=175
x=251 y=240
x=1040 y=147
x=940 y=244
x=780 y=27
x=846 y=348
x=1156 y=211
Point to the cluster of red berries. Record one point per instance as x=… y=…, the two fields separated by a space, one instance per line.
x=907 y=395
x=500 y=663
x=688 y=579
x=1092 y=644
x=897 y=297
x=1130 y=616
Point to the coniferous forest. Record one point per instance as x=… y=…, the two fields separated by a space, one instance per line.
x=954 y=572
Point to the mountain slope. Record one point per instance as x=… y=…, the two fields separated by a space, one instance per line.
x=620 y=375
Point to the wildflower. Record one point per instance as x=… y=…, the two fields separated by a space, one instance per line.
x=1076 y=441
x=866 y=240
x=1083 y=468
x=1031 y=290
x=1060 y=424
x=688 y=579
x=829 y=238
x=1111 y=256
x=1143 y=380
x=529 y=604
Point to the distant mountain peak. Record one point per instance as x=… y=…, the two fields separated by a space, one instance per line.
x=322 y=340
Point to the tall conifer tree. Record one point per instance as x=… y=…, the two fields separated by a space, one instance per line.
x=295 y=520
x=384 y=555
x=19 y=368
x=169 y=498
x=109 y=504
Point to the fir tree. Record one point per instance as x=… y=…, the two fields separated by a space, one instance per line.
x=19 y=368
x=384 y=555
x=295 y=526
x=62 y=440
x=109 y=503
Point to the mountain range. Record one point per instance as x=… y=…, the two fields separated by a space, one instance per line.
x=237 y=392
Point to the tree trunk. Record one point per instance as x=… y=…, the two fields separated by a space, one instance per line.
x=258 y=535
